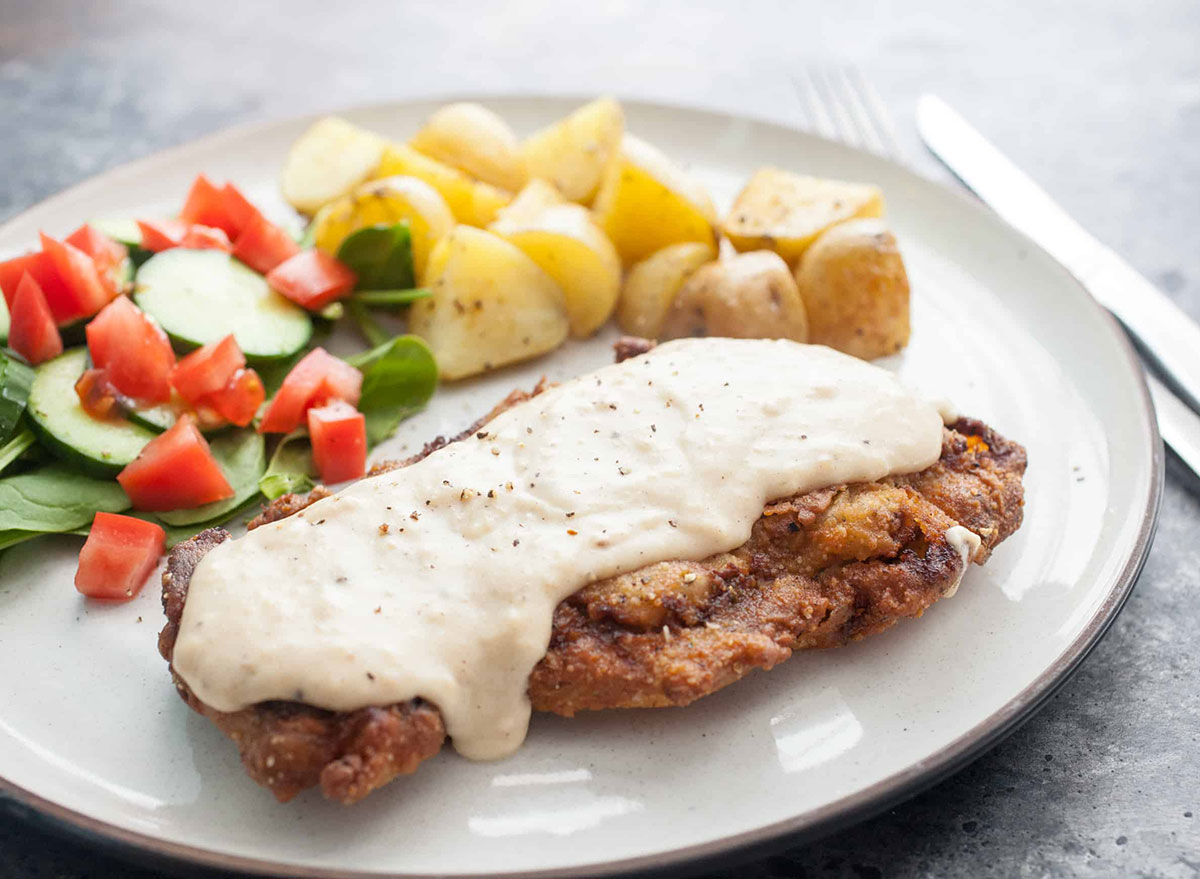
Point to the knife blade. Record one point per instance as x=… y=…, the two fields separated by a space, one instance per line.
x=1166 y=334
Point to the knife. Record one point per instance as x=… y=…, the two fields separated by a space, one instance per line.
x=1167 y=336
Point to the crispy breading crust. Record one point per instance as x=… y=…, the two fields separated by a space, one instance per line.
x=819 y=570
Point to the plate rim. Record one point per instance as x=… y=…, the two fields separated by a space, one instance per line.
x=866 y=803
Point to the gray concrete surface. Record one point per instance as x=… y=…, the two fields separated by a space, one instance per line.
x=1098 y=99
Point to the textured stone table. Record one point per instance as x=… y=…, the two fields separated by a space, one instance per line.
x=1100 y=100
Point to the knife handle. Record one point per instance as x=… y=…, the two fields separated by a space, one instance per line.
x=1165 y=333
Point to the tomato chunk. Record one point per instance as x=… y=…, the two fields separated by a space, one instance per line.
x=312 y=279
x=206 y=205
x=239 y=400
x=162 y=234
x=208 y=369
x=263 y=245
x=118 y=556
x=108 y=255
x=339 y=441
x=133 y=351
x=85 y=293
x=238 y=208
x=41 y=268
x=176 y=470
x=206 y=238
x=314 y=381
x=32 y=332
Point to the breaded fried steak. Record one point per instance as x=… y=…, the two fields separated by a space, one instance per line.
x=820 y=569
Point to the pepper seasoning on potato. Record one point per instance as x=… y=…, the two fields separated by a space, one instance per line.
x=855 y=290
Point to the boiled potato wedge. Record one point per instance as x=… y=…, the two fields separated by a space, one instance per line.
x=646 y=202
x=491 y=305
x=575 y=152
x=855 y=288
x=473 y=139
x=530 y=201
x=331 y=158
x=785 y=212
x=390 y=200
x=749 y=296
x=651 y=286
x=572 y=250
x=472 y=201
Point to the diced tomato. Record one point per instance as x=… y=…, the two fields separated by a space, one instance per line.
x=263 y=245
x=176 y=470
x=162 y=234
x=208 y=369
x=239 y=400
x=315 y=380
x=133 y=351
x=108 y=255
x=238 y=208
x=41 y=268
x=32 y=332
x=96 y=395
x=339 y=441
x=206 y=205
x=85 y=294
x=312 y=279
x=206 y=238
x=118 y=556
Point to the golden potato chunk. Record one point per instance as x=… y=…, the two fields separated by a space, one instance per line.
x=571 y=249
x=472 y=201
x=473 y=139
x=530 y=201
x=748 y=296
x=786 y=212
x=646 y=202
x=651 y=285
x=855 y=288
x=491 y=305
x=390 y=200
x=331 y=158
x=574 y=153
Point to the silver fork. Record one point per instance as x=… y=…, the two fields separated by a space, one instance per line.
x=842 y=105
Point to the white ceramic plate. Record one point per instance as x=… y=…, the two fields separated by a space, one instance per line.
x=93 y=735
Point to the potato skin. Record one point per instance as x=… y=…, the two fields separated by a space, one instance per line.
x=748 y=296
x=474 y=140
x=652 y=284
x=574 y=153
x=855 y=289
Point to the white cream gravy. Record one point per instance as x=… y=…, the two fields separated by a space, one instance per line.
x=439 y=580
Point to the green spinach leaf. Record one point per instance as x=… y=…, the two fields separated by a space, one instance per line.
x=291 y=468
x=55 y=498
x=16 y=378
x=381 y=256
x=242 y=456
x=390 y=298
x=399 y=377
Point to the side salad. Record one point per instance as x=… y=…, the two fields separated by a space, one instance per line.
x=163 y=376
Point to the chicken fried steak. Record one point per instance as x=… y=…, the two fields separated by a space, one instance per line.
x=820 y=570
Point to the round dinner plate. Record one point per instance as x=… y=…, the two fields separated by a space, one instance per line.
x=92 y=734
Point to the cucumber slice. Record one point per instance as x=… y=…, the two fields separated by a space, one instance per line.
x=201 y=296
x=101 y=448
x=163 y=416
x=4 y=320
x=124 y=231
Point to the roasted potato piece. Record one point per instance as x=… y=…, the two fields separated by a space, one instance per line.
x=473 y=139
x=748 y=296
x=645 y=203
x=491 y=305
x=389 y=200
x=855 y=288
x=571 y=249
x=651 y=285
x=530 y=201
x=472 y=201
x=574 y=153
x=327 y=161
x=786 y=212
